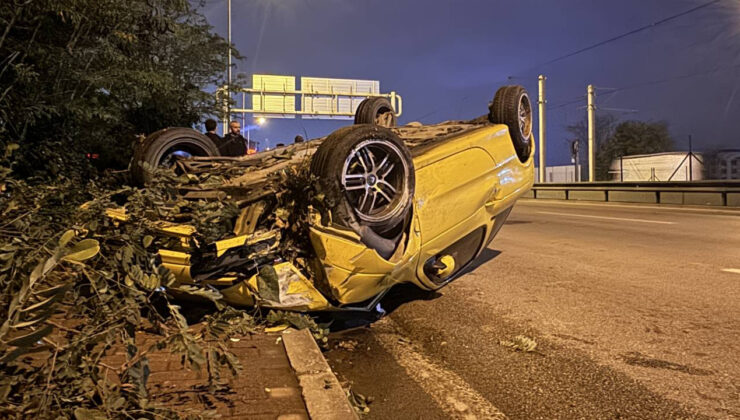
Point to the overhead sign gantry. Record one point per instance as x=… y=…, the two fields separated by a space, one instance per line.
x=275 y=96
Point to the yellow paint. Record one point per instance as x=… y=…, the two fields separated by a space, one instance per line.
x=239 y=295
x=449 y=263
x=174 y=257
x=225 y=244
x=356 y=273
x=115 y=214
x=277 y=328
x=456 y=193
x=221 y=281
x=175 y=229
x=178 y=263
x=452 y=188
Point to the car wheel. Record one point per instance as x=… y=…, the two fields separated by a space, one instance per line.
x=162 y=148
x=376 y=110
x=512 y=106
x=367 y=175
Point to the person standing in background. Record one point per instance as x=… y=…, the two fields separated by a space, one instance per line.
x=211 y=126
x=234 y=144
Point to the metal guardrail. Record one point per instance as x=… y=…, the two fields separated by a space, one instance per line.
x=698 y=193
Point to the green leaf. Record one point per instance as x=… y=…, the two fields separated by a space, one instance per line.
x=40 y=271
x=66 y=237
x=89 y=414
x=42 y=304
x=150 y=282
x=83 y=250
x=211 y=294
x=13 y=354
x=30 y=339
x=147 y=241
x=268 y=283
x=53 y=290
x=31 y=322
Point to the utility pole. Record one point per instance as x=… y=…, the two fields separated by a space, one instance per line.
x=542 y=103
x=574 y=155
x=591 y=134
x=228 y=70
x=691 y=158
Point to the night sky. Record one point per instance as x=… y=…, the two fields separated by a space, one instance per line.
x=447 y=58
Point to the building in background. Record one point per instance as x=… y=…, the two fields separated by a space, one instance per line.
x=661 y=167
x=724 y=164
x=668 y=166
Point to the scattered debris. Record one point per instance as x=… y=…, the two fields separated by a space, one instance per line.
x=349 y=345
x=276 y=328
x=520 y=343
x=359 y=402
x=458 y=405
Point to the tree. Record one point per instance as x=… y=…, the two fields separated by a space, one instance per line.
x=604 y=128
x=89 y=75
x=632 y=138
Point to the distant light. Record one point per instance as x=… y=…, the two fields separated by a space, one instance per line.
x=261 y=120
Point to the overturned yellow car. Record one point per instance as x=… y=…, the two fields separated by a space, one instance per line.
x=408 y=204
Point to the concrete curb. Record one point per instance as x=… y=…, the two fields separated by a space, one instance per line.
x=325 y=399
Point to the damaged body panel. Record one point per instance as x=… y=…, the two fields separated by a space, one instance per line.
x=412 y=204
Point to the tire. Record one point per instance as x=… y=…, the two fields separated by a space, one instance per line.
x=511 y=106
x=367 y=176
x=376 y=110
x=158 y=149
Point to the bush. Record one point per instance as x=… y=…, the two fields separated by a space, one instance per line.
x=87 y=76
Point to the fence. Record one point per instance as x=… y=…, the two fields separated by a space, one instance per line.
x=701 y=193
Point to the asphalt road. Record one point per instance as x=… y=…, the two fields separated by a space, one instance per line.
x=635 y=311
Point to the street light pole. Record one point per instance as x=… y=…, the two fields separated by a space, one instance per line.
x=542 y=102
x=228 y=77
x=591 y=134
x=691 y=158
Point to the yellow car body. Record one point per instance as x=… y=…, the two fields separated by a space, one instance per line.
x=466 y=185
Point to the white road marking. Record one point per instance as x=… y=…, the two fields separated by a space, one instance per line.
x=451 y=393
x=708 y=211
x=621 y=219
x=731 y=270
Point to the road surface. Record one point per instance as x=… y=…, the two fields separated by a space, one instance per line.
x=635 y=311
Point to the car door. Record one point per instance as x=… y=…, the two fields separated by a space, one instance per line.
x=451 y=195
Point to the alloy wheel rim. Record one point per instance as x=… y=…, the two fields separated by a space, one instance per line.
x=524 y=113
x=374 y=178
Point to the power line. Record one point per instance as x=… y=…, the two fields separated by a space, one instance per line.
x=624 y=35
x=671 y=79
x=607 y=41
x=648 y=83
x=561 y=105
